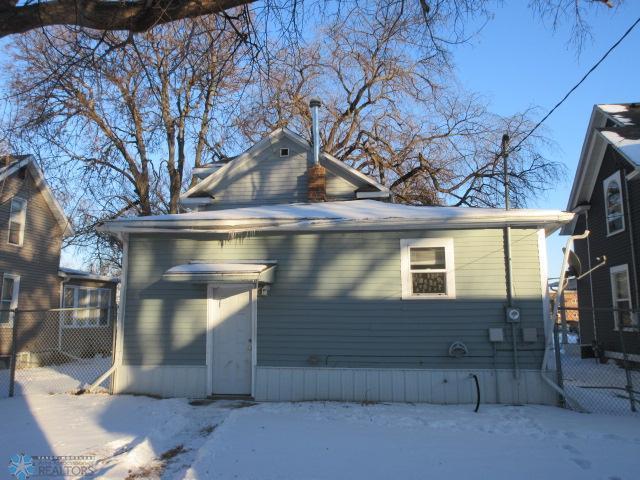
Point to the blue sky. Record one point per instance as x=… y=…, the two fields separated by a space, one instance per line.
x=518 y=62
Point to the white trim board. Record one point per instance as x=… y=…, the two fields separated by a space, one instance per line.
x=119 y=345
x=406 y=244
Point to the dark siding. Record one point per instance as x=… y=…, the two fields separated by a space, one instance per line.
x=36 y=261
x=618 y=250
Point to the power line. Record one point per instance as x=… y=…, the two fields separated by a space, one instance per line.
x=589 y=72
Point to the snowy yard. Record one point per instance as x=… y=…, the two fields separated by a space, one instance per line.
x=141 y=437
x=597 y=387
x=63 y=378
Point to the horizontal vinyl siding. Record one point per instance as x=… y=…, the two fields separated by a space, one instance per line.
x=336 y=300
x=270 y=179
x=617 y=249
x=264 y=179
x=36 y=261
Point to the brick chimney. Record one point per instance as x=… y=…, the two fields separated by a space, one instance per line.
x=317 y=187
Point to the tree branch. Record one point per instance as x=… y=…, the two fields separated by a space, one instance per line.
x=132 y=15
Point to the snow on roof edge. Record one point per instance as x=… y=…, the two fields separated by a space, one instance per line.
x=360 y=212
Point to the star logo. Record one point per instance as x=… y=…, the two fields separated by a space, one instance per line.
x=21 y=466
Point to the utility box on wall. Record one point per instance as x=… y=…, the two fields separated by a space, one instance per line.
x=530 y=334
x=496 y=335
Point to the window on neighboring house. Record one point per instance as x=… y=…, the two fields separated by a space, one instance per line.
x=621 y=294
x=284 y=152
x=17 y=220
x=9 y=298
x=92 y=306
x=613 y=204
x=427 y=268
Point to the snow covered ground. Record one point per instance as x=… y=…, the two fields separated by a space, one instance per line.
x=597 y=387
x=140 y=437
x=64 y=378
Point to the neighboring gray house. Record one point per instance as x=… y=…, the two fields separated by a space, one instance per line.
x=33 y=225
x=32 y=228
x=606 y=199
x=261 y=292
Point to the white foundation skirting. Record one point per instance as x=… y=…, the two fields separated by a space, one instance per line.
x=162 y=380
x=401 y=385
x=275 y=384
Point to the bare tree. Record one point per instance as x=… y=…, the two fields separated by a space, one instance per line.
x=123 y=132
x=572 y=12
x=393 y=110
x=142 y=15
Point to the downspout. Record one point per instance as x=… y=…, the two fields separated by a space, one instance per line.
x=633 y=245
x=593 y=301
x=549 y=326
x=507 y=256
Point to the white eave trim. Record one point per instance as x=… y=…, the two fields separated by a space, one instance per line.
x=364 y=195
x=235 y=228
x=198 y=201
x=633 y=174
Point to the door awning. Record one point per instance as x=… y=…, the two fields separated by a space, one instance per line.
x=222 y=273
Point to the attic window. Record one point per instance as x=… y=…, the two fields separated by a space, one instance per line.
x=284 y=152
x=613 y=204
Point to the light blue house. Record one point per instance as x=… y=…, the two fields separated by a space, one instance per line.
x=295 y=278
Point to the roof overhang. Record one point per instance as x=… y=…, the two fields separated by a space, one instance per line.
x=550 y=222
x=252 y=272
x=78 y=275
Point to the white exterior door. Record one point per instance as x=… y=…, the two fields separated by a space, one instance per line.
x=231 y=341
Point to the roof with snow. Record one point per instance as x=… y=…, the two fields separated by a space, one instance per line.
x=72 y=273
x=617 y=125
x=358 y=214
x=221 y=273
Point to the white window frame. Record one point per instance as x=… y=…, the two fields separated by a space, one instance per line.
x=14 y=297
x=83 y=322
x=282 y=152
x=614 y=296
x=22 y=220
x=605 y=184
x=405 y=267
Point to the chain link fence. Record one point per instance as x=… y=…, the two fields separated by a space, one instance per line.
x=599 y=377
x=55 y=351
